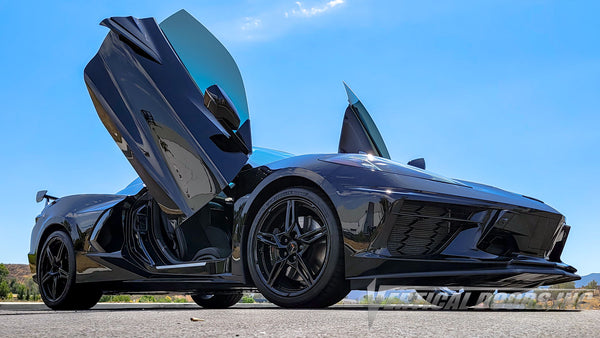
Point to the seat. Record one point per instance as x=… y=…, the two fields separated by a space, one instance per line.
x=176 y=239
x=199 y=237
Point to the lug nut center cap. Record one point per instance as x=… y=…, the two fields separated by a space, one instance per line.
x=292 y=247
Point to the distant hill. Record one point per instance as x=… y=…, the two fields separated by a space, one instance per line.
x=19 y=271
x=588 y=278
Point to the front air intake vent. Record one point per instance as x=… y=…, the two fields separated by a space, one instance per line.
x=423 y=228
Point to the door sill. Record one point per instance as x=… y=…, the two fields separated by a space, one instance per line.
x=181 y=266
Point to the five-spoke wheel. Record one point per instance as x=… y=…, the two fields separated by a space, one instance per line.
x=56 y=276
x=295 y=253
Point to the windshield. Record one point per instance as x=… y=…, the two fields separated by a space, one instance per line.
x=133 y=188
x=262 y=156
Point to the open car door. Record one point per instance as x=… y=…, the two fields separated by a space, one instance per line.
x=173 y=99
x=359 y=132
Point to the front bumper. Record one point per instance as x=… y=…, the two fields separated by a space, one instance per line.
x=523 y=272
x=426 y=239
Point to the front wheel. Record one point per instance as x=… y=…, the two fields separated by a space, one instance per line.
x=295 y=251
x=218 y=301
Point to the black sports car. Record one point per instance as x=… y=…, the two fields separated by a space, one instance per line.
x=212 y=216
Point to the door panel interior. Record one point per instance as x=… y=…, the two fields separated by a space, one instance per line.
x=154 y=109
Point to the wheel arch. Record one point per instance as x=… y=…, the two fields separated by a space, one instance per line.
x=270 y=187
x=44 y=233
x=51 y=226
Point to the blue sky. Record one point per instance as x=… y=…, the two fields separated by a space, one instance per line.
x=499 y=92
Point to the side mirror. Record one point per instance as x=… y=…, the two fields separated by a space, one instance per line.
x=40 y=195
x=418 y=162
x=221 y=106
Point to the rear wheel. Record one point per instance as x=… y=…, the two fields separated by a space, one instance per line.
x=85 y=298
x=295 y=251
x=56 y=276
x=218 y=301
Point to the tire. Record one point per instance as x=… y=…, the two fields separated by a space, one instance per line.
x=56 y=276
x=295 y=251
x=218 y=301
x=85 y=298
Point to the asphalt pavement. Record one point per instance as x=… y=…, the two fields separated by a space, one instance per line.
x=167 y=320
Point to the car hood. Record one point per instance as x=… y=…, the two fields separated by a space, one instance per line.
x=406 y=177
x=376 y=163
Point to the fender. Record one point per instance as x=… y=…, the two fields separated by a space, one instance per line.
x=245 y=207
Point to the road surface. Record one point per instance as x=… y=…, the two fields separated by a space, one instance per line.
x=175 y=320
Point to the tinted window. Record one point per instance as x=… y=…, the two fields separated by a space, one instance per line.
x=205 y=58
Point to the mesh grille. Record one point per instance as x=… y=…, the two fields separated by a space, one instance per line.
x=422 y=228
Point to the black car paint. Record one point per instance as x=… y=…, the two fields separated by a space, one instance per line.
x=155 y=113
x=367 y=201
x=366 y=255
x=459 y=262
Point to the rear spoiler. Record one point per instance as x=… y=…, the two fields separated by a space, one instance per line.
x=44 y=194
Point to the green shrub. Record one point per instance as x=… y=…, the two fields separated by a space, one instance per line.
x=21 y=289
x=9 y=286
x=247 y=299
x=3 y=272
x=147 y=299
x=4 y=290
x=121 y=299
x=24 y=291
x=115 y=299
x=165 y=299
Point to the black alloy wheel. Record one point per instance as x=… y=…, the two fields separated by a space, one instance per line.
x=295 y=251
x=217 y=301
x=56 y=276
